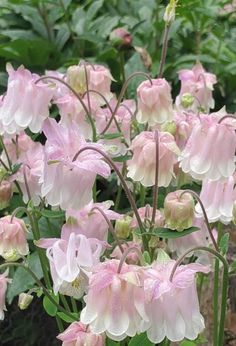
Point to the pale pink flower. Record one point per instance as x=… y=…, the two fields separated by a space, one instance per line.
x=5 y=193
x=145 y=214
x=169 y=315
x=71 y=259
x=218 y=198
x=88 y=222
x=78 y=334
x=142 y=166
x=132 y=257
x=198 y=83
x=4 y=280
x=154 y=102
x=100 y=79
x=115 y=301
x=185 y=122
x=26 y=104
x=210 y=150
x=68 y=182
x=13 y=243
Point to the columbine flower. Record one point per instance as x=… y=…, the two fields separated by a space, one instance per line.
x=210 y=150
x=154 y=102
x=115 y=301
x=198 y=83
x=88 y=222
x=68 y=182
x=142 y=166
x=3 y=288
x=145 y=214
x=71 y=259
x=179 y=210
x=78 y=334
x=132 y=257
x=25 y=104
x=218 y=198
x=13 y=243
x=169 y=315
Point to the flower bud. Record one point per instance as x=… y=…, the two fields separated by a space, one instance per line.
x=187 y=100
x=5 y=193
x=76 y=78
x=24 y=300
x=179 y=210
x=122 y=227
x=121 y=38
x=169 y=15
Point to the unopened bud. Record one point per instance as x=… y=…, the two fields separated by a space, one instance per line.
x=187 y=100
x=76 y=78
x=5 y=194
x=122 y=227
x=179 y=210
x=169 y=15
x=169 y=126
x=24 y=300
x=120 y=37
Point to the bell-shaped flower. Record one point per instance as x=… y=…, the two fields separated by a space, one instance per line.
x=4 y=280
x=142 y=166
x=199 y=84
x=26 y=104
x=78 y=334
x=13 y=243
x=172 y=306
x=218 y=198
x=210 y=150
x=68 y=180
x=154 y=102
x=115 y=301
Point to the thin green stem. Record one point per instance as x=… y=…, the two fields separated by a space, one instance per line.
x=74 y=305
x=59 y=324
x=142 y=192
x=64 y=302
x=164 y=50
x=155 y=189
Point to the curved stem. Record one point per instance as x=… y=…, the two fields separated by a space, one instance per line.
x=111 y=228
x=5 y=150
x=155 y=190
x=224 y=285
x=26 y=183
x=122 y=93
x=195 y=195
x=78 y=97
x=125 y=254
x=40 y=284
x=164 y=49
x=226 y=117
x=125 y=187
x=17 y=210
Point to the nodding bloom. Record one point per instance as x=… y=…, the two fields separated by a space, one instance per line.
x=145 y=214
x=67 y=180
x=13 y=243
x=71 y=259
x=199 y=84
x=169 y=315
x=185 y=122
x=89 y=222
x=115 y=301
x=26 y=104
x=210 y=150
x=154 y=102
x=4 y=280
x=142 y=166
x=132 y=257
x=78 y=334
x=218 y=198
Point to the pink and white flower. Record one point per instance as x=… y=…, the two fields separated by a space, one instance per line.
x=142 y=166
x=4 y=280
x=78 y=334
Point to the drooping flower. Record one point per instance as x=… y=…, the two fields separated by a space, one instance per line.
x=115 y=301
x=210 y=150
x=185 y=122
x=145 y=214
x=179 y=210
x=198 y=83
x=132 y=257
x=67 y=180
x=218 y=198
x=78 y=334
x=13 y=243
x=169 y=315
x=26 y=104
x=154 y=102
x=71 y=258
x=89 y=222
x=4 y=280
x=142 y=166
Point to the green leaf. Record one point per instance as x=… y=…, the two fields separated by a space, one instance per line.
x=139 y=340
x=110 y=342
x=224 y=243
x=111 y=135
x=188 y=343
x=167 y=233
x=232 y=267
x=22 y=280
x=122 y=158
x=94 y=8
x=66 y=318
x=50 y=308
x=53 y=214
